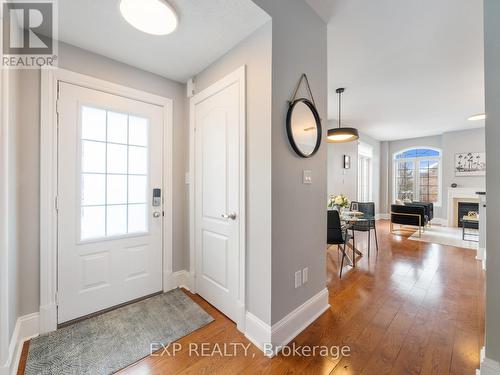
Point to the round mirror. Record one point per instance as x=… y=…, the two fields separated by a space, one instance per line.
x=303 y=127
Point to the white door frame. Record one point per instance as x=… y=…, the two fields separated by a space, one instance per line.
x=48 y=180
x=236 y=76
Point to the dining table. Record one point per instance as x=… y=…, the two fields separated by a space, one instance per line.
x=349 y=219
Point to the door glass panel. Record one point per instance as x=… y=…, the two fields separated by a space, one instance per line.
x=116 y=220
x=137 y=220
x=114 y=174
x=137 y=160
x=93 y=157
x=92 y=222
x=93 y=189
x=137 y=187
x=93 y=124
x=117 y=189
x=138 y=131
x=117 y=158
x=117 y=127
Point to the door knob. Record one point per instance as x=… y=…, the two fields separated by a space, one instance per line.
x=231 y=216
x=156 y=214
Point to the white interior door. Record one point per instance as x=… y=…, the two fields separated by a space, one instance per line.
x=109 y=225
x=218 y=115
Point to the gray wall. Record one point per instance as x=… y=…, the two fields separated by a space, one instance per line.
x=450 y=144
x=492 y=75
x=457 y=142
x=298 y=210
x=28 y=165
x=345 y=181
x=255 y=54
x=340 y=180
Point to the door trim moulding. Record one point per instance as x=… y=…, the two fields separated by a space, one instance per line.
x=237 y=76
x=48 y=180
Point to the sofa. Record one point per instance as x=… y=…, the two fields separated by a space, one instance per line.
x=414 y=214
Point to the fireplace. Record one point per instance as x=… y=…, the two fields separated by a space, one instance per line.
x=463 y=209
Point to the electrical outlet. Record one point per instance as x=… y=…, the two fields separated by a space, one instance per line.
x=298 y=277
x=305 y=275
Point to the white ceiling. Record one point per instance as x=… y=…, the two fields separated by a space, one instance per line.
x=207 y=30
x=410 y=68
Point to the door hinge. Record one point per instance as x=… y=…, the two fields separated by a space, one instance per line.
x=56 y=203
x=57 y=106
x=57 y=298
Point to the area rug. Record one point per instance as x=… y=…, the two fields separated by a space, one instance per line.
x=109 y=342
x=445 y=236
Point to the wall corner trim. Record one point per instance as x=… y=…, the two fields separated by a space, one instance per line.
x=26 y=328
x=271 y=339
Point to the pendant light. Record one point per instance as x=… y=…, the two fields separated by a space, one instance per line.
x=340 y=134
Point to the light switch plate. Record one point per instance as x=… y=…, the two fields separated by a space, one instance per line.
x=298 y=277
x=305 y=275
x=307 y=176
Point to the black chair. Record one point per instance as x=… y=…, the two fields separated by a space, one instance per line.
x=409 y=215
x=336 y=235
x=428 y=208
x=368 y=210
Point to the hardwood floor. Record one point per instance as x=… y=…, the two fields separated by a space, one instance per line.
x=415 y=308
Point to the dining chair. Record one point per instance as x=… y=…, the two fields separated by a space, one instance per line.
x=368 y=210
x=336 y=235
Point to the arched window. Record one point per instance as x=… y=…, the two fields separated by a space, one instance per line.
x=417 y=175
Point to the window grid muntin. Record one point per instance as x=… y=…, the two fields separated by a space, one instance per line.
x=106 y=174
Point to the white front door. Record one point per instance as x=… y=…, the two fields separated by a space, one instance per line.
x=109 y=225
x=218 y=119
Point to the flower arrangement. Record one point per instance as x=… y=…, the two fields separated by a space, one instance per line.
x=339 y=201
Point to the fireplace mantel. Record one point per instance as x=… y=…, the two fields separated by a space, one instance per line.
x=460 y=194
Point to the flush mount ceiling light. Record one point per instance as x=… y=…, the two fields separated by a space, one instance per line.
x=341 y=134
x=478 y=117
x=154 y=17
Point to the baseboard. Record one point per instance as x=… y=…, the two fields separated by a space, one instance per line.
x=299 y=319
x=257 y=331
x=272 y=339
x=489 y=367
x=439 y=221
x=27 y=327
x=180 y=279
